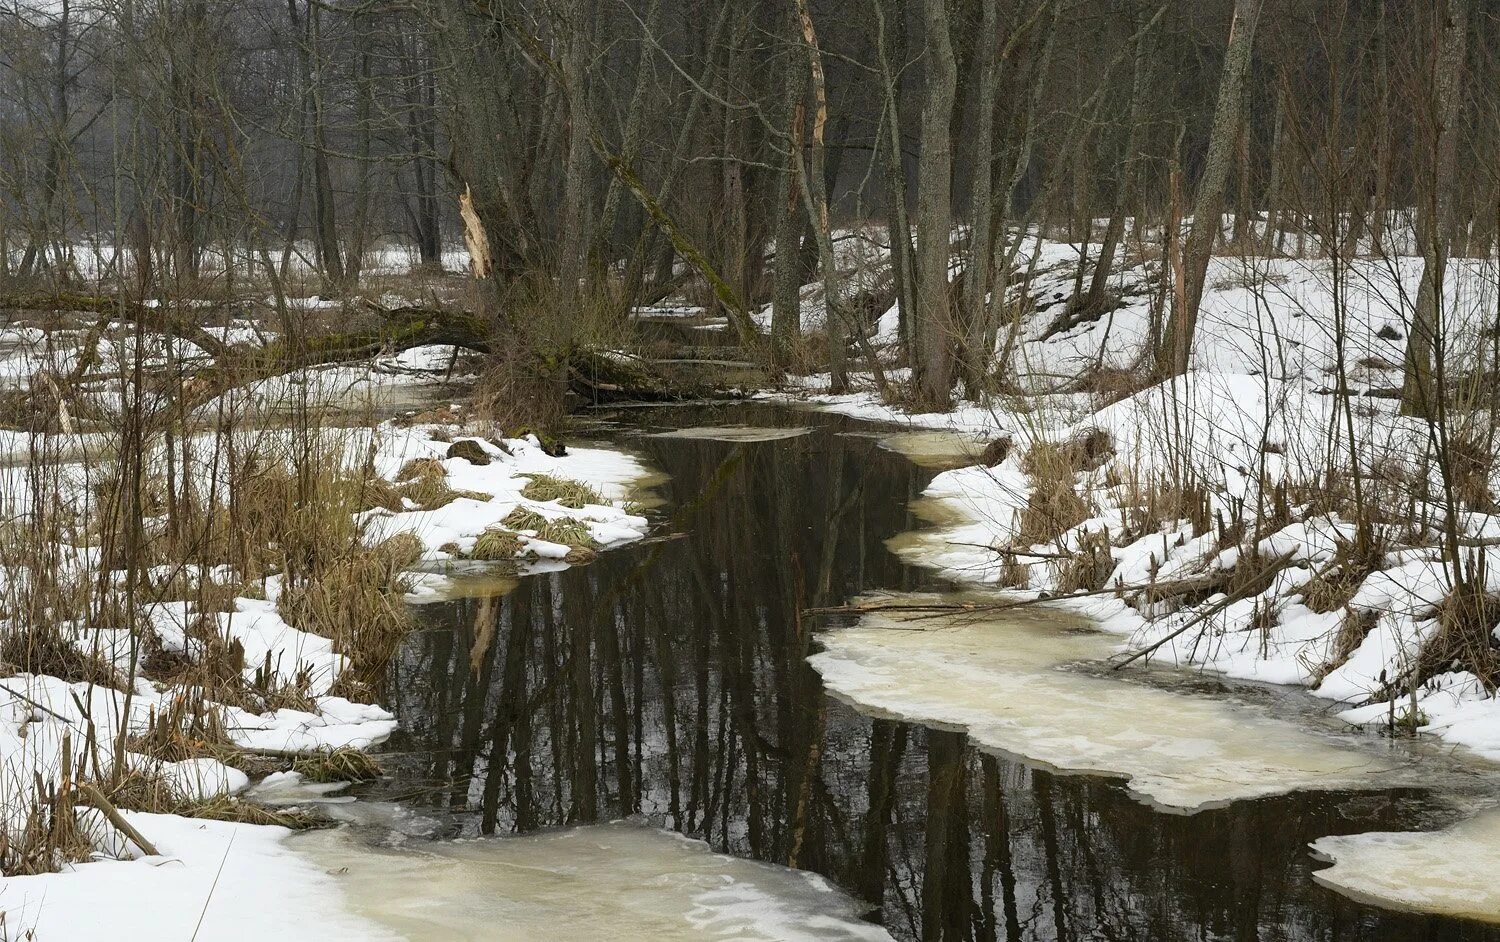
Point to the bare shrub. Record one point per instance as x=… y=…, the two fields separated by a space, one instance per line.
x=1088 y=568
x=1053 y=505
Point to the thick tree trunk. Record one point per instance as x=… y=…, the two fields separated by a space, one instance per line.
x=978 y=268
x=1420 y=390
x=786 y=302
x=1177 y=345
x=573 y=252
x=935 y=212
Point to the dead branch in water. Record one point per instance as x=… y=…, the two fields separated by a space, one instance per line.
x=1157 y=589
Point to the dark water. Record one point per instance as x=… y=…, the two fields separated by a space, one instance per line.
x=669 y=680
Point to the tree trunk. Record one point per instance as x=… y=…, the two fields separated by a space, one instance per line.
x=364 y=115
x=1437 y=220
x=630 y=139
x=325 y=219
x=1125 y=189
x=786 y=300
x=815 y=194
x=421 y=129
x=1177 y=345
x=977 y=270
x=935 y=211
x=573 y=252
x=1382 y=195
x=903 y=265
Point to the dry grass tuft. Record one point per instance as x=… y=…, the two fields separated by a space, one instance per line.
x=229 y=808
x=496 y=543
x=1014 y=574
x=378 y=492
x=421 y=469
x=358 y=601
x=1354 y=561
x=1088 y=568
x=189 y=727
x=344 y=764
x=50 y=838
x=40 y=649
x=1054 y=505
x=523 y=518
x=1465 y=638
x=1470 y=460
x=1329 y=592
x=571 y=494
x=1109 y=386
x=567 y=531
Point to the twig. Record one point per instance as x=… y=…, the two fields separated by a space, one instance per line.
x=97 y=799
x=27 y=700
x=1278 y=564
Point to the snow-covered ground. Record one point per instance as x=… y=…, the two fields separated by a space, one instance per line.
x=1257 y=446
x=211 y=880
x=215 y=878
x=1256 y=413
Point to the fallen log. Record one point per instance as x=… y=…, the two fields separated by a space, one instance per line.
x=164 y=318
x=596 y=376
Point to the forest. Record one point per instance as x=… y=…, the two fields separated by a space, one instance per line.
x=868 y=469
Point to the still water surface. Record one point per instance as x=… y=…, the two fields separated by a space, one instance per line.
x=669 y=681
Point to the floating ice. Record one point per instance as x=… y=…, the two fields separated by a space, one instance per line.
x=1449 y=872
x=1003 y=677
x=936 y=448
x=733 y=433
x=613 y=881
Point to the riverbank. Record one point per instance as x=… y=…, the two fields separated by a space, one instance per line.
x=691 y=656
x=1246 y=518
x=173 y=644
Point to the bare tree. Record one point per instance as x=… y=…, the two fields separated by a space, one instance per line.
x=1208 y=201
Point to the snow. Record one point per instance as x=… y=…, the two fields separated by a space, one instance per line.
x=612 y=474
x=214 y=880
x=1254 y=413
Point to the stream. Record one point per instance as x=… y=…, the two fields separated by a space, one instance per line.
x=669 y=684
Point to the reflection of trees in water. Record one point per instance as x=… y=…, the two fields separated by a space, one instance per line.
x=671 y=680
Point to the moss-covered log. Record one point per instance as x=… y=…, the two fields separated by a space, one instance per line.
x=594 y=375
x=179 y=322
